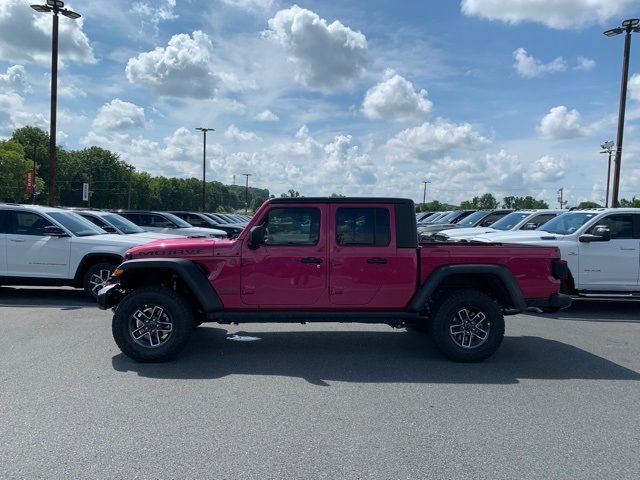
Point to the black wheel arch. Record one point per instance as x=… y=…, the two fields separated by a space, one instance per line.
x=495 y=280
x=183 y=274
x=91 y=259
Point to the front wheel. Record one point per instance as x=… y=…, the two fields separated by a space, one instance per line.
x=96 y=277
x=467 y=326
x=152 y=324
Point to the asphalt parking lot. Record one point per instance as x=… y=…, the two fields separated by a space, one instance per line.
x=560 y=399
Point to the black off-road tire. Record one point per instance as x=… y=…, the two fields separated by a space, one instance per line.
x=94 y=273
x=445 y=314
x=176 y=307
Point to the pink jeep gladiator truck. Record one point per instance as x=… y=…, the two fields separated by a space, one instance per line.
x=329 y=260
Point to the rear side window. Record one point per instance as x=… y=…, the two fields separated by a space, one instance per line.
x=94 y=220
x=540 y=220
x=195 y=220
x=492 y=218
x=362 y=227
x=292 y=226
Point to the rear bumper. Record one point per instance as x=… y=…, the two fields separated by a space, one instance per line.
x=109 y=296
x=556 y=301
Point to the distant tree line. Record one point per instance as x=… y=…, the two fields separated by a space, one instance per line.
x=113 y=182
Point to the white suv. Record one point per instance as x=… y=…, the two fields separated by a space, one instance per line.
x=52 y=246
x=601 y=246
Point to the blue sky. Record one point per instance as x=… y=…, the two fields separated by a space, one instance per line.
x=360 y=97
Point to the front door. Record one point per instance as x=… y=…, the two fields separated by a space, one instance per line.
x=3 y=242
x=291 y=267
x=32 y=253
x=612 y=265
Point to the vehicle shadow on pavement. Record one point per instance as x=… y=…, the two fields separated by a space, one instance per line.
x=600 y=311
x=63 y=298
x=365 y=357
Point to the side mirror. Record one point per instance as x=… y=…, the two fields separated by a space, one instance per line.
x=529 y=226
x=600 y=233
x=52 y=231
x=110 y=229
x=257 y=236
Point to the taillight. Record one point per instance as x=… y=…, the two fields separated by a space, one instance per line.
x=560 y=269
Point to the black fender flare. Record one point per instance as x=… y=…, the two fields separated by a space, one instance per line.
x=90 y=259
x=191 y=274
x=433 y=281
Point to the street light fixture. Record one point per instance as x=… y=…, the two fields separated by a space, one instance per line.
x=56 y=7
x=424 y=193
x=246 y=193
x=628 y=26
x=607 y=147
x=204 y=164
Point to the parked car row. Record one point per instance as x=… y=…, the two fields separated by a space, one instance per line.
x=601 y=245
x=81 y=248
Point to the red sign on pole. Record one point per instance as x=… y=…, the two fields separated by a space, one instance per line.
x=29 y=182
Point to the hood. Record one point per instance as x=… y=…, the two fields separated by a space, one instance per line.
x=436 y=227
x=174 y=248
x=519 y=237
x=111 y=239
x=151 y=236
x=466 y=232
x=200 y=232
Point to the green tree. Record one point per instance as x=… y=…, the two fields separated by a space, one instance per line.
x=291 y=193
x=484 y=202
x=589 y=205
x=633 y=203
x=523 y=202
x=336 y=195
x=13 y=168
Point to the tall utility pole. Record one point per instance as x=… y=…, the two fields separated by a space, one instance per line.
x=33 y=187
x=131 y=169
x=57 y=7
x=628 y=26
x=424 y=193
x=607 y=147
x=246 y=193
x=561 y=200
x=204 y=164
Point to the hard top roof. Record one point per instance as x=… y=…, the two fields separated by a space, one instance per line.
x=341 y=200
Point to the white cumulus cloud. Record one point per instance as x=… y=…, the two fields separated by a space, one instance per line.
x=431 y=140
x=118 y=115
x=634 y=86
x=266 y=116
x=529 y=67
x=585 y=63
x=326 y=56
x=548 y=169
x=561 y=123
x=14 y=80
x=558 y=14
x=250 y=5
x=25 y=35
x=182 y=69
x=234 y=134
x=395 y=98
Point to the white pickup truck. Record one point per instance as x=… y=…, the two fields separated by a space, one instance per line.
x=52 y=246
x=601 y=246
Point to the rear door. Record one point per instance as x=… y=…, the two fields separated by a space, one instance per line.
x=291 y=267
x=612 y=265
x=366 y=269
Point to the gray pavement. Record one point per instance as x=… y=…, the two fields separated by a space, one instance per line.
x=560 y=399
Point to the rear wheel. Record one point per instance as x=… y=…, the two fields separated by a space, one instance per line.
x=152 y=324
x=96 y=277
x=467 y=326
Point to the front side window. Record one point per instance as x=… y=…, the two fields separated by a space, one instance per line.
x=567 y=223
x=620 y=226
x=362 y=227
x=27 y=223
x=292 y=226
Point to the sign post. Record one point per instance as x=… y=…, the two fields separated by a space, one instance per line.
x=29 y=182
x=85 y=192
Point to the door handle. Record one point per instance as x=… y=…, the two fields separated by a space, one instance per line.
x=378 y=260
x=17 y=240
x=314 y=260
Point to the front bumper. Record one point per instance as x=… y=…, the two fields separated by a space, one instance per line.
x=109 y=296
x=557 y=301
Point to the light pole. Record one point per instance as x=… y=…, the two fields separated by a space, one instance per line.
x=204 y=164
x=55 y=6
x=131 y=169
x=607 y=147
x=246 y=193
x=424 y=193
x=628 y=26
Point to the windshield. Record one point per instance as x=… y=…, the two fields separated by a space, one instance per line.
x=447 y=218
x=509 y=221
x=567 y=223
x=125 y=226
x=472 y=219
x=428 y=217
x=177 y=220
x=80 y=227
